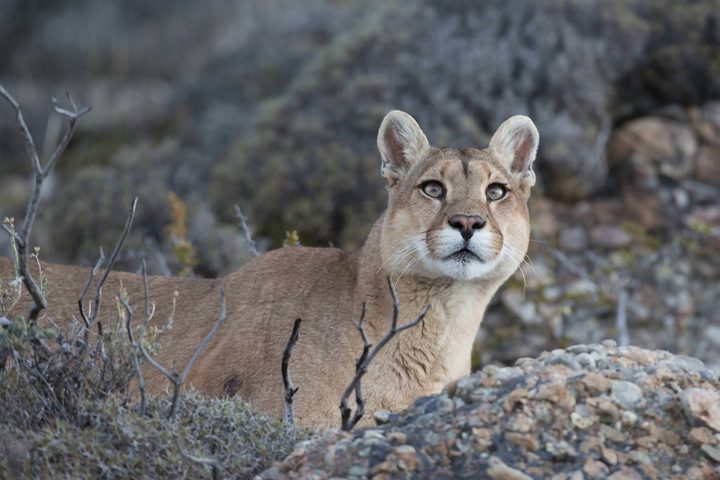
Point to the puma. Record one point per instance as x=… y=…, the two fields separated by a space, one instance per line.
x=456 y=227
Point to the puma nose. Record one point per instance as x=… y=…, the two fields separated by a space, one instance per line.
x=467 y=224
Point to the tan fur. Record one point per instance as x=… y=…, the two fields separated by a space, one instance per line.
x=326 y=287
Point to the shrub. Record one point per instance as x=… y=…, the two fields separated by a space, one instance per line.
x=68 y=408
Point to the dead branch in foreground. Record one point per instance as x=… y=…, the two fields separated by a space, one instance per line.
x=245 y=226
x=40 y=173
x=290 y=389
x=178 y=379
x=211 y=462
x=91 y=319
x=134 y=348
x=367 y=357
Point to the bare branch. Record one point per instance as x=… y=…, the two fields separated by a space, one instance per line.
x=569 y=265
x=134 y=350
x=72 y=117
x=199 y=349
x=39 y=174
x=11 y=231
x=178 y=379
x=90 y=321
x=290 y=389
x=252 y=246
x=29 y=142
x=367 y=357
x=91 y=277
x=213 y=463
x=146 y=291
x=345 y=410
x=623 y=336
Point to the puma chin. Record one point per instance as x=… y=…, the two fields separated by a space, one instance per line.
x=446 y=253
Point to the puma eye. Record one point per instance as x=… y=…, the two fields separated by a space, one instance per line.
x=496 y=191
x=433 y=189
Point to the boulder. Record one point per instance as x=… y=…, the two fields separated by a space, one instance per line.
x=631 y=413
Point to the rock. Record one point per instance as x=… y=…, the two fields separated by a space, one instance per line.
x=711 y=452
x=529 y=442
x=650 y=146
x=583 y=420
x=557 y=393
x=595 y=382
x=702 y=406
x=705 y=121
x=640 y=355
x=574 y=239
x=707 y=165
x=712 y=333
x=514 y=301
x=646 y=208
x=581 y=288
x=499 y=471
x=700 y=435
x=610 y=237
x=626 y=394
x=381 y=417
x=690 y=364
x=520 y=423
x=626 y=473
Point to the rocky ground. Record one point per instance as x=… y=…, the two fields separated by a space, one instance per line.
x=588 y=411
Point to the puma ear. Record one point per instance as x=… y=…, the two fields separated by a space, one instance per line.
x=515 y=144
x=401 y=143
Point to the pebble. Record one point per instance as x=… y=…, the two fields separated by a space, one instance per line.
x=586 y=360
x=626 y=394
x=700 y=435
x=595 y=469
x=381 y=417
x=573 y=239
x=610 y=237
x=578 y=349
x=689 y=364
x=582 y=422
x=629 y=418
x=581 y=288
x=513 y=301
x=702 y=405
x=500 y=471
x=594 y=382
x=563 y=359
x=712 y=452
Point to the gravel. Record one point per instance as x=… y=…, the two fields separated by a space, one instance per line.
x=630 y=413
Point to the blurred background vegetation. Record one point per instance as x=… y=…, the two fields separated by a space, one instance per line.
x=274 y=105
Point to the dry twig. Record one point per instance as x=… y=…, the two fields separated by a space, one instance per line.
x=242 y=219
x=134 y=350
x=213 y=463
x=290 y=389
x=178 y=379
x=92 y=318
x=40 y=173
x=91 y=277
x=623 y=334
x=367 y=357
